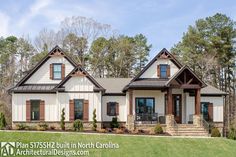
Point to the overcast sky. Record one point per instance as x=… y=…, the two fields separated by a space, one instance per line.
x=161 y=21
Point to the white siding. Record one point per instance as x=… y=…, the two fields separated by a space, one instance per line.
x=151 y=72
x=217 y=106
x=122 y=107
x=159 y=99
x=93 y=98
x=79 y=84
x=42 y=75
x=19 y=106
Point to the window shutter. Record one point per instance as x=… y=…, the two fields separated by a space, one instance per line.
x=62 y=71
x=168 y=71
x=158 y=70
x=72 y=109
x=210 y=111
x=42 y=110
x=86 y=110
x=108 y=109
x=117 y=109
x=28 y=110
x=51 y=71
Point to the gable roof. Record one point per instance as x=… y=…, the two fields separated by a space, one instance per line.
x=32 y=71
x=167 y=54
x=203 y=84
x=79 y=68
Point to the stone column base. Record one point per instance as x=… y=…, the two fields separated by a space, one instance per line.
x=169 y=120
x=197 y=120
x=130 y=122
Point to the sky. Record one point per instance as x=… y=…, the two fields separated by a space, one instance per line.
x=163 y=22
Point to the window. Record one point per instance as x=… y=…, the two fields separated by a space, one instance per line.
x=145 y=105
x=56 y=71
x=35 y=109
x=163 y=71
x=78 y=108
x=112 y=108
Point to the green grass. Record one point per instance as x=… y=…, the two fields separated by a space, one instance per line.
x=136 y=146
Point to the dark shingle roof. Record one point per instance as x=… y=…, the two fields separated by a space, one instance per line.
x=153 y=83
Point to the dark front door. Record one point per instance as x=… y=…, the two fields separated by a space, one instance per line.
x=177 y=107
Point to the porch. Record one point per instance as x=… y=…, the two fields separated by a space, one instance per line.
x=167 y=101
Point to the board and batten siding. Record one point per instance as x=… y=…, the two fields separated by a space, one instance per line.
x=80 y=87
x=217 y=106
x=79 y=83
x=121 y=100
x=151 y=72
x=93 y=98
x=42 y=75
x=19 y=106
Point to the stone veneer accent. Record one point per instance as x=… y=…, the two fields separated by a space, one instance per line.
x=197 y=120
x=130 y=122
x=169 y=120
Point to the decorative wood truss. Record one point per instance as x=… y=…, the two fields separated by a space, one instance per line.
x=57 y=52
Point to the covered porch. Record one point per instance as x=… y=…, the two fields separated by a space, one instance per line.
x=167 y=101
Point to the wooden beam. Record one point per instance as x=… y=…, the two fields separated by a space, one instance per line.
x=130 y=102
x=190 y=86
x=169 y=101
x=184 y=76
x=197 y=101
x=179 y=81
x=190 y=81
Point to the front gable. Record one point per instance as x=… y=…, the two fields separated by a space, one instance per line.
x=153 y=68
x=78 y=80
x=41 y=73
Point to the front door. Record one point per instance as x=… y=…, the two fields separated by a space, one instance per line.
x=177 y=107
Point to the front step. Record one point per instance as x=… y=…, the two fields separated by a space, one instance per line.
x=187 y=130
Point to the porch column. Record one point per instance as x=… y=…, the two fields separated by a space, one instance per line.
x=169 y=101
x=197 y=101
x=197 y=116
x=130 y=102
x=169 y=116
x=130 y=117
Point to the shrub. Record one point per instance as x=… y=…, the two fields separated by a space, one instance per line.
x=215 y=132
x=42 y=127
x=78 y=125
x=158 y=129
x=232 y=133
x=21 y=126
x=63 y=119
x=3 y=122
x=52 y=127
x=94 y=120
x=114 y=123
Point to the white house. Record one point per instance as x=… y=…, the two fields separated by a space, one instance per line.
x=164 y=91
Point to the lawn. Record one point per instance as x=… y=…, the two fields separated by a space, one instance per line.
x=134 y=145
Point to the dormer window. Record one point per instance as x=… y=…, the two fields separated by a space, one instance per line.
x=163 y=71
x=57 y=71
